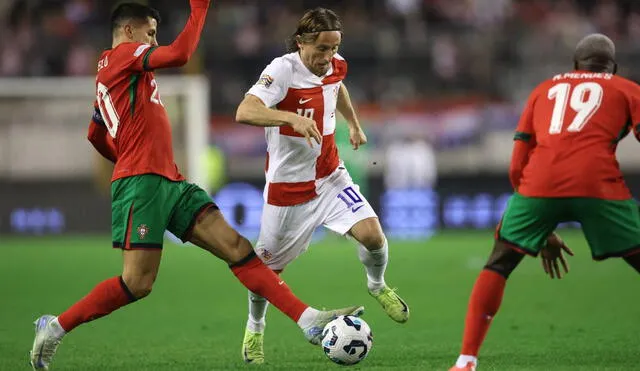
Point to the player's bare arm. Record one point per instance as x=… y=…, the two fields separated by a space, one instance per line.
x=357 y=136
x=252 y=111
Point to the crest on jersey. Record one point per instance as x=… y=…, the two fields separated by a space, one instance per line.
x=143 y=230
x=265 y=254
x=265 y=80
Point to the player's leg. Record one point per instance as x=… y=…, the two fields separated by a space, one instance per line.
x=612 y=228
x=285 y=232
x=141 y=260
x=373 y=251
x=350 y=213
x=526 y=224
x=198 y=220
x=139 y=273
x=485 y=300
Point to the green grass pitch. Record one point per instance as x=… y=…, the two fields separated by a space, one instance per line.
x=195 y=317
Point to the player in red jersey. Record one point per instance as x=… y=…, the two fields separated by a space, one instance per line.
x=149 y=195
x=563 y=168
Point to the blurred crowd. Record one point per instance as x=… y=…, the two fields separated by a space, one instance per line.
x=398 y=50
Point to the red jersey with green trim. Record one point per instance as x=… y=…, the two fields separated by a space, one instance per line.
x=133 y=113
x=573 y=123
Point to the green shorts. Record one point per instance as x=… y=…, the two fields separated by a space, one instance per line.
x=612 y=228
x=144 y=206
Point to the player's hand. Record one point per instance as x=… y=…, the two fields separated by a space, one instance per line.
x=306 y=127
x=357 y=137
x=552 y=253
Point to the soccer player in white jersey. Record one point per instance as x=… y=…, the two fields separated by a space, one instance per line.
x=295 y=100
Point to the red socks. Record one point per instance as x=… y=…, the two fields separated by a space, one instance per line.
x=112 y=294
x=106 y=297
x=483 y=305
x=259 y=279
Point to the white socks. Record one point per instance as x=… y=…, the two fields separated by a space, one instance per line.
x=375 y=263
x=308 y=317
x=464 y=359
x=257 y=313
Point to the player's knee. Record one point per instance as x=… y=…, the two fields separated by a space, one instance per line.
x=369 y=233
x=373 y=240
x=139 y=286
x=503 y=260
x=238 y=249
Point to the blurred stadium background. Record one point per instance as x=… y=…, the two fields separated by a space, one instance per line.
x=438 y=85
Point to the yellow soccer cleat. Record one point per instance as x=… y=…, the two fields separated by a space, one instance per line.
x=252 y=347
x=395 y=307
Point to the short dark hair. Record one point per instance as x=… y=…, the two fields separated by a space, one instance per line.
x=595 y=53
x=132 y=11
x=311 y=24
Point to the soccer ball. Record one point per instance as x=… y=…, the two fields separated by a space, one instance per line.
x=347 y=340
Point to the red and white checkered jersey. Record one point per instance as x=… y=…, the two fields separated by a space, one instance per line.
x=295 y=171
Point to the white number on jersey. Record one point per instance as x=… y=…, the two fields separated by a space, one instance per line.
x=155 y=96
x=585 y=109
x=107 y=109
x=306 y=112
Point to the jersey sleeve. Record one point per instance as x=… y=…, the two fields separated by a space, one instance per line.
x=99 y=136
x=524 y=130
x=274 y=82
x=633 y=97
x=133 y=56
x=96 y=118
x=525 y=140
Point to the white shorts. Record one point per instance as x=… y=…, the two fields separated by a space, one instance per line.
x=286 y=231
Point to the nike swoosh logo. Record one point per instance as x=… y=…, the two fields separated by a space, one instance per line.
x=281 y=283
x=303 y=101
x=354 y=209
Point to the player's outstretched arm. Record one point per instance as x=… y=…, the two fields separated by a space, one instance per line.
x=180 y=51
x=252 y=111
x=357 y=137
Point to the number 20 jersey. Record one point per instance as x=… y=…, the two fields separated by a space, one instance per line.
x=576 y=120
x=131 y=109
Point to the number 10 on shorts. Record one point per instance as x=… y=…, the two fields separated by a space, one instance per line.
x=351 y=198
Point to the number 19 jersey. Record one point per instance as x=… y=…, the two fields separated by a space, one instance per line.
x=575 y=121
x=128 y=100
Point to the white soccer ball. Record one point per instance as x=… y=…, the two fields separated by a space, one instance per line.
x=347 y=340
